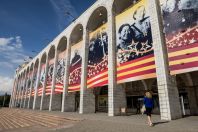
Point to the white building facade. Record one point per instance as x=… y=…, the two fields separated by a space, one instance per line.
x=108 y=57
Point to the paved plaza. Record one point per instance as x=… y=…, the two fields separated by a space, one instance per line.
x=23 y=120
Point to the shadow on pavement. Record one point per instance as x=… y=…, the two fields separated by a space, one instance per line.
x=160 y=122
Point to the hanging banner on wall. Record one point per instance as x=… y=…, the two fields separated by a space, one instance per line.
x=60 y=71
x=21 y=87
x=34 y=81
x=75 y=67
x=181 y=28
x=41 y=80
x=135 y=55
x=29 y=83
x=98 y=58
x=49 y=77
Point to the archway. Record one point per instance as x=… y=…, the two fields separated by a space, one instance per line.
x=76 y=43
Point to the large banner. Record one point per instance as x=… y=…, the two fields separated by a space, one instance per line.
x=75 y=67
x=49 y=77
x=29 y=83
x=181 y=28
x=60 y=71
x=98 y=58
x=41 y=80
x=34 y=81
x=135 y=55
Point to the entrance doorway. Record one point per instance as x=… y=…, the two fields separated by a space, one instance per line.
x=101 y=99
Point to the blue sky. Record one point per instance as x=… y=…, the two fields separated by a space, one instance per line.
x=29 y=25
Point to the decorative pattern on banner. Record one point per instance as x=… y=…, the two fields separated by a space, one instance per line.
x=135 y=55
x=21 y=88
x=75 y=67
x=60 y=71
x=29 y=83
x=98 y=58
x=181 y=28
x=34 y=81
x=41 y=80
x=49 y=77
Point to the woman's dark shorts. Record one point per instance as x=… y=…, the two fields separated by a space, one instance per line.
x=148 y=111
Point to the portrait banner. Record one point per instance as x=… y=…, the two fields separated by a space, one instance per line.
x=181 y=29
x=34 y=81
x=60 y=71
x=97 y=72
x=41 y=80
x=135 y=54
x=49 y=77
x=29 y=83
x=75 y=67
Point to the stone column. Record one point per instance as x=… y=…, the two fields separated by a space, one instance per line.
x=116 y=93
x=87 y=99
x=45 y=82
x=31 y=86
x=53 y=80
x=35 y=103
x=19 y=92
x=66 y=76
x=13 y=90
x=168 y=93
x=26 y=89
x=23 y=91
x=16 y=92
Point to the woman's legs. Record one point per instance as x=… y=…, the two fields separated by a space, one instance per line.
x=149 y=120
x=148 y=112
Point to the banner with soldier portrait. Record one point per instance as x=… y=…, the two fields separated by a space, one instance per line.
x=49 y=77
x=34 y=81
x=75 y=67
x=41 y=80
x=29 y=83
x=181 y=28
x=135 y=54
x=97 y=72
x=60 y=71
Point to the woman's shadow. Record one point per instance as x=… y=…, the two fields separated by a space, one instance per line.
x=160 y=122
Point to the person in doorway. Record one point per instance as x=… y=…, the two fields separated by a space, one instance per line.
x=148 y=102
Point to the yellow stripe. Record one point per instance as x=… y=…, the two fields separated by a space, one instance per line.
x=136 y=70
x=183 y=61
x=96 y=82
x=59 y=86
x=74 y=87
x=73 y=91
x=136 y=63
x=151 y=75
x=183 y=52
x=98 y=76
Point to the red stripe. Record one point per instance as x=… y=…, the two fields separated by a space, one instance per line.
x=59 y=88
x=136 y=67
x=137 y=74
x=105 y=82
x=104 y=76
x=76 y=89
x=183 y=56
x=98 y=73
x=58 y=84
x=136 y=60
x=183 y=47
x=184 y=66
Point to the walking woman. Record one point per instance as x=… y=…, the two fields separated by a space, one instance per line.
x=148 y=102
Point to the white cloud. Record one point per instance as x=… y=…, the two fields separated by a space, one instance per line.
x=11 y=56
x=5 y=41
x=6 y=84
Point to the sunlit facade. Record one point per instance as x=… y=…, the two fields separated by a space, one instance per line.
x=115 y=51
